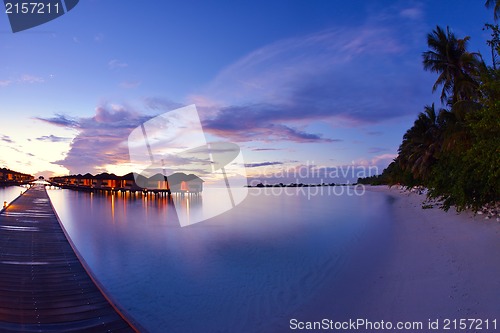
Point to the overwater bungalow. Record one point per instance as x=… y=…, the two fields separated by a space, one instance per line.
x=182 y=183
x=9 y=176
x=158 y=183
x=85 y=180
x=107 y=181
x=128 y=182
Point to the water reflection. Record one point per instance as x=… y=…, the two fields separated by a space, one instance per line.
x=9 y=193
x=189 y=207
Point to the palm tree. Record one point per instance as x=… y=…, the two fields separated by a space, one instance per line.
x=448 y=56
x=494 y=42
x=422 y=142
x=495 y=4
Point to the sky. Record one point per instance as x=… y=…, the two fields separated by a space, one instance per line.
x=295 y=84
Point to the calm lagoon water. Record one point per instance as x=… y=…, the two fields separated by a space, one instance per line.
x=250 y=269
x=9 y=193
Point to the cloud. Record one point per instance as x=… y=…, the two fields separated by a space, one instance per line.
x=377 y=150
x=16 y=148
x=412 y=13
x=61 y=121
x=6 y=138
x=99 y=38
x=345 y=76
x=114 y=64
x=311 y=173
x=23 y=79
x=265 y=149
x=101 y=142
x=380 y=161
x=26 y=78
x=53 y=138
x=130 y=84
x=45 y=174
x=101 y=139
x=158 y=104
x=255 y=165
x=262 y=122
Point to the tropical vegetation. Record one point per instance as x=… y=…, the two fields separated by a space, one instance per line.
x=454 y=150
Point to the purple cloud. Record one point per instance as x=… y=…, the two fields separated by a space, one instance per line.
x=354 y=75
x=6 y=138
x=265 y=149
x=255 y=165
x=115 y=63
x=53 y=138
x=377 y=150
x=130 y=84
x=413 y=13
x=375 y=133
x=27 y=78
x=61 y=121
x=160 y=104
x=101 y=139
x=260 y=122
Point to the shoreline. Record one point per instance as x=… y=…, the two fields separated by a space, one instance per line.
x=446 y=263
x=420 y=199
x=426 y=264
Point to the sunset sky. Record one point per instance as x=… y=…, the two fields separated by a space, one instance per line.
x=293 y=83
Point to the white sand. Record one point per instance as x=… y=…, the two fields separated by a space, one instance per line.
x=440 y=265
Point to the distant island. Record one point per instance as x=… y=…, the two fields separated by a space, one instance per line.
x=261 y=185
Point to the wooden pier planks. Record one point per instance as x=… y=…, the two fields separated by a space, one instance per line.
x=43 y=285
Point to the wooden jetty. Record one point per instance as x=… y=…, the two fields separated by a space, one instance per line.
x=44 y=287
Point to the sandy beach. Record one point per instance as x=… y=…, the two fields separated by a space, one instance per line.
x=434 y=265
x=445 y=264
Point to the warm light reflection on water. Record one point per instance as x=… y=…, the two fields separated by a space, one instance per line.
x=9 y=193
x=243 y=271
